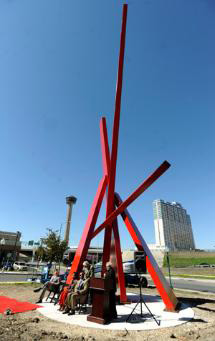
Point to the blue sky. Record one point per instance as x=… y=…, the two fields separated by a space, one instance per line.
x=58 y=67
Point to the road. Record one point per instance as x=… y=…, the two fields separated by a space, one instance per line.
x=192 y=284
x=179 y=283
x=16 y=276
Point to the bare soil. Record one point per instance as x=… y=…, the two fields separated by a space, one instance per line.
x=34 y=326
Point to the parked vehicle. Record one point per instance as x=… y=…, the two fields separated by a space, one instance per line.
x=20 y=266
x=134 y=266
x=134 y=261
x=133 y=276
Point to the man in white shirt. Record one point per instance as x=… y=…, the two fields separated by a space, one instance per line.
x=52 y=284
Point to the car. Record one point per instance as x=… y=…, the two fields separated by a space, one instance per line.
x=131 y=278
x=135 y=279
x=204 y=265
x=97 y=268
x=20 y=266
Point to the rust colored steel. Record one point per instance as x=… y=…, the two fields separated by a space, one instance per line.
x=112 y=174
x=84 y=243
x=157 y=276
x=115 y=206
x=112 y=248
x=148 y=182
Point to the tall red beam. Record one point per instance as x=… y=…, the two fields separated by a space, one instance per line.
x=106 y=171
x=148 y=182
x=109 y=170
x=115 y=137
x=118 y=253
x=104 y=147
x=84 y=243
x=157 y=276
x=114 y=243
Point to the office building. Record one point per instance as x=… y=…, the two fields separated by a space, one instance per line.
x=173 y=229
x=9 y=245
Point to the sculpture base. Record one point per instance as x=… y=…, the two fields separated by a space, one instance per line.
x=97 y=319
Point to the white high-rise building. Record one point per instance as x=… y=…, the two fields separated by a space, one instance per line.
x=173 y=227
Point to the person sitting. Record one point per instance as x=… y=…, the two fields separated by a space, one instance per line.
x=52 y=285
x=79 y=294
x=67 y=290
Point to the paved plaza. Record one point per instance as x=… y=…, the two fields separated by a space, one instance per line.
x=136 y=322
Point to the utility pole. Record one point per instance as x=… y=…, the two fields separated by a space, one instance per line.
x=168 y=264
x=18 y=235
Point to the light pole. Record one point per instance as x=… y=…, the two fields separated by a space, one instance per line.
x=2 y=242
x=18 y=235
x=60 y=241
x=168 y=265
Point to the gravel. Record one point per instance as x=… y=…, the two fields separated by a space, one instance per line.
x=32 y=326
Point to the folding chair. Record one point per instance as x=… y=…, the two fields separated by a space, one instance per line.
x=82 y=306
x=55 y=289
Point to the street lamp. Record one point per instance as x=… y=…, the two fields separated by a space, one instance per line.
x=18 y=235
x=168 y=264
x=2 y=242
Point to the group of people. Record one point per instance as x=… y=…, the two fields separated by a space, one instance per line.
x=78 y=290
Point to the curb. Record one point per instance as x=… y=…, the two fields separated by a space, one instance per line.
x=195 y=291
x=151 y=286
x=26 y=282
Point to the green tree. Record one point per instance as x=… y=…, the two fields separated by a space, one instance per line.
x=55 y=247
x=41 y=253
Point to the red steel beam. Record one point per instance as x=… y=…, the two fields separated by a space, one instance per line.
x=84 y=243
x=104 y=147
x=115 y=137
x=112 y=247
x=148 y=182
x=160 y=281
x=106 y=171
x=120 y=272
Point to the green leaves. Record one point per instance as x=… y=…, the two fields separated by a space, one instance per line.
x=53 y=248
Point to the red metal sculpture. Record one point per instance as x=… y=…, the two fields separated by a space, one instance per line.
x=115 y=205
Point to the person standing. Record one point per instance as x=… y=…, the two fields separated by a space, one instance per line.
x=110 y=274
x=88 y=269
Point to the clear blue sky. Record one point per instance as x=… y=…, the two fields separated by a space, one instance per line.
x=58 y=66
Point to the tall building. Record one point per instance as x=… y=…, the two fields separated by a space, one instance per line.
x=173 y=227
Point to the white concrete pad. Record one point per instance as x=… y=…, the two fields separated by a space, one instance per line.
x=136 y=322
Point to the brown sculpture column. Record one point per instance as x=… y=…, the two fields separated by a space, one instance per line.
x=70 y=201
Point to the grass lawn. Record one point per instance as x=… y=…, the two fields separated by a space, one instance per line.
x=189 y=259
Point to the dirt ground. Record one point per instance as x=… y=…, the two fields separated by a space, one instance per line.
x=34 y=326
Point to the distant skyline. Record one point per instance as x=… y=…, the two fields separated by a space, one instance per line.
x=58 y=65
